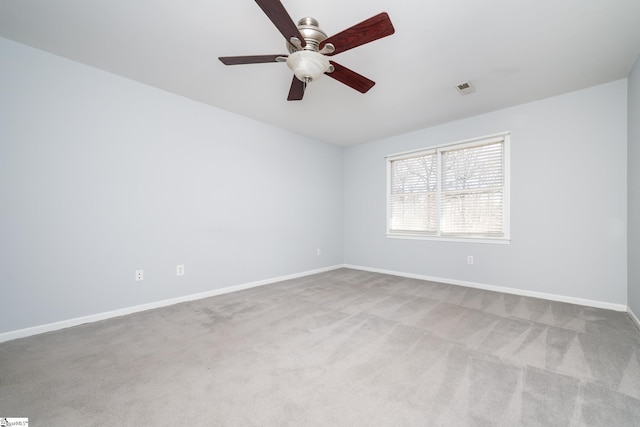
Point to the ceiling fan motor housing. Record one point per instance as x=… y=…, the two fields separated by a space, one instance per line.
x=311 y=33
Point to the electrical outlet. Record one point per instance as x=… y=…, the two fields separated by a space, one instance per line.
x=470 y=259
x=139 y=275
x=318 y=251
x=180 y=270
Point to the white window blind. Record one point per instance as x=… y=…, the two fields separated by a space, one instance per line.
x=413 y=193
x=455 y=191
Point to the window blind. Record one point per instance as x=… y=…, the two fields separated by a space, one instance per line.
x=413 y=193
x=472 y=190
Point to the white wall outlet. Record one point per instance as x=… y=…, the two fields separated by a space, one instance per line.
x=318 y=251
x=180 y=270
x=139 y=275
x=470 y=259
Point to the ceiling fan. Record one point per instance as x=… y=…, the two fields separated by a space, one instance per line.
x=309 y=48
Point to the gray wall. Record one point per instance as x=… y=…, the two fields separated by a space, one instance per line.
x=100 y=176
x=568 y=200
x=634 y=189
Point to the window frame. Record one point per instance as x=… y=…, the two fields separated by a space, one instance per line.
x=439 y=235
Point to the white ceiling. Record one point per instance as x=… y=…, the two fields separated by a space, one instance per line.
x=511 y=51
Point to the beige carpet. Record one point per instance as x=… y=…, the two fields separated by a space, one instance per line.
x=343 y=348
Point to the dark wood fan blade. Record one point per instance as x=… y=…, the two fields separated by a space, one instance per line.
x=252 y=59
x=350 y=78
x=296 y=92
x=374 y=28
x=281 y=19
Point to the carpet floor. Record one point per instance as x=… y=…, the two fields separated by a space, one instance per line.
x=341 y=348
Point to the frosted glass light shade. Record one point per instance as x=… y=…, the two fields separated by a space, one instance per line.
x=307 y=65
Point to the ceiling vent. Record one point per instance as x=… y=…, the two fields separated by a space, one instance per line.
x=465 y=88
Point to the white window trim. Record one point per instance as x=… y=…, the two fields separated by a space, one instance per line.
x=506 y=225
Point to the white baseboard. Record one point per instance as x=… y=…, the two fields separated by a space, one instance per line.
x=633 y=317
x=35 y=330
x=22 y=333
x=521 y=292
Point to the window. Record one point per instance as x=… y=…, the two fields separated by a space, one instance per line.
x=457 y=191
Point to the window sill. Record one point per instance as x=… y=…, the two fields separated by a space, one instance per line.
x=490 y=240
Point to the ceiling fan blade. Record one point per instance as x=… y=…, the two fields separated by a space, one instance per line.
x=372 y=29
x=350 y=78
x=281 y=19
x=296 y=92
x=252 y=59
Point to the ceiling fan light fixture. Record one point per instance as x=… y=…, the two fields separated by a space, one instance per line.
x=308 y=65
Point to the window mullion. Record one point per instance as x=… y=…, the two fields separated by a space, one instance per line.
x=438 y=191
